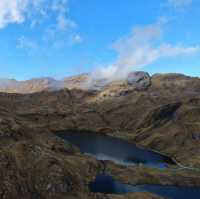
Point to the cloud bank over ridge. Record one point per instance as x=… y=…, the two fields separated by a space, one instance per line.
x=141 y=47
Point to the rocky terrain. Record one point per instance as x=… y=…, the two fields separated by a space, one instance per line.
x=160 y=113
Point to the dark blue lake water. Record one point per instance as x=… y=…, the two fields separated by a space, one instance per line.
x=106 y=184
x=117 y=150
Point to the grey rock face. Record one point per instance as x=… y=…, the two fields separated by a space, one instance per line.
x=196 y=136
x=140 y=80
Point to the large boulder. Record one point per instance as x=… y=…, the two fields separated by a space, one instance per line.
x=140 y=80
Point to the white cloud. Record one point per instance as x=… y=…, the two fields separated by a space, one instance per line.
x=179 y=4
x=60 y=6
x=35 y=11
x=62 y=9
x=76 y=39
x=64 y=23
x=57 y=29
x=12 y=11
x=143 y=46
x=26 y=43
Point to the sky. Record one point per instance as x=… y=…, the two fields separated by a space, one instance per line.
x=107 y=38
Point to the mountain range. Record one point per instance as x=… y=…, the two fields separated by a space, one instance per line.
x=83 y=81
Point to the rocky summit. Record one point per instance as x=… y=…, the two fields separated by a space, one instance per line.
x=159 y=113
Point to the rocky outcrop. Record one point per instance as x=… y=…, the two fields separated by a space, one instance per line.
x=140 y=80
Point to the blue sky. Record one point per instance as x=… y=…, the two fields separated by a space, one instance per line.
x=65 y=37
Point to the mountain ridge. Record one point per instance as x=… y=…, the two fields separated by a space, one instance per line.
x=82 y=81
